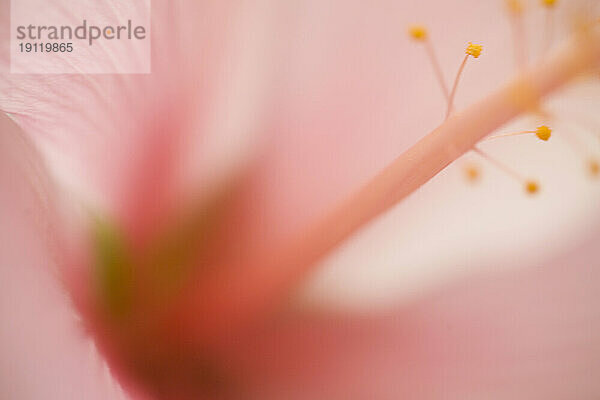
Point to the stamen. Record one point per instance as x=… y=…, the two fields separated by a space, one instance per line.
x=420 y=33
x=473 y=50
x=472 y=172
x=531 y=186
x=549 y=25
x=542 y=132
x=516 y=9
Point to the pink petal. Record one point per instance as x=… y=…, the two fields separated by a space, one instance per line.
x=107 y=136
x=45 y=353
x=524 y=334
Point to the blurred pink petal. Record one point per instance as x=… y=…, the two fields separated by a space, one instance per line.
x=108 y=135
x=45 y=352
x=531 y=333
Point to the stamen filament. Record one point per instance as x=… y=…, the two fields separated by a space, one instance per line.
x=419 y=33
x=500 y=165
x=455 y=85
x=503 y=135
x=516 y=9
x=473 y=50
x=531 y=186
x=548 y=30
x=437 y=69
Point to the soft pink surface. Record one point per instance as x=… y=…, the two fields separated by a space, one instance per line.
x=531 y=333
x=338 y=91
x=45 y=353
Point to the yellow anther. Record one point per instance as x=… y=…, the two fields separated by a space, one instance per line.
x=594 y=168
x=474 y=50
x=472 y=172
x=532 y=187
x=543 y=132
x=549 y=3
x=418 y=32
x=515 y=6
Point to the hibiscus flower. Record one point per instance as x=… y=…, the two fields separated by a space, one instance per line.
x=265 y=214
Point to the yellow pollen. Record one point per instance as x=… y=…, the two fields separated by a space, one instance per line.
x=594 y=168
x=515 y=6
x=474 y=50
x=549 y=3
x=418 y=32
x=543 y=132
x=472 y=172
x=532 y=187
